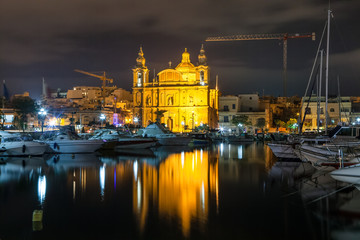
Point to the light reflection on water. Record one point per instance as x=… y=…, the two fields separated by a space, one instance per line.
x=41 y=189
x=208 y=192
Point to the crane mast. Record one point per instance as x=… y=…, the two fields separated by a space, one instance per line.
x=272 y=36
x=103 y=77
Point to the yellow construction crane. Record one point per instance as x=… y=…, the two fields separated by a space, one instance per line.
x=103 y=77
x=279 y=36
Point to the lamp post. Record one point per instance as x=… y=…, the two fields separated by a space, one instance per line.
x=102 y=118
x=136 y=120
x=42 y=114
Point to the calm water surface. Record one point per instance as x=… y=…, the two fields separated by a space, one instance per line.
x=218 y=192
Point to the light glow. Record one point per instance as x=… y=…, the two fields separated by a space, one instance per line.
x=102 y=181
x=41 y=189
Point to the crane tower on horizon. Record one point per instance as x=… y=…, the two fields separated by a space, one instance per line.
x=103 y=77
x=278 y=36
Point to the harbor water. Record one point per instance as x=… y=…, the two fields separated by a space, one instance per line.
x=221 y=191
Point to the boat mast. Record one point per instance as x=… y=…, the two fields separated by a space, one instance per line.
x=300 y=123
x=339 y=100
x=319 y=89
x=327 y=72
x=3 y=97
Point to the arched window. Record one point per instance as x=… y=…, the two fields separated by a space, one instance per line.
x=202 y=78
x=139 y=80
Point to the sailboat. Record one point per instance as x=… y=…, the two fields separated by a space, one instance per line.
x=304 y=147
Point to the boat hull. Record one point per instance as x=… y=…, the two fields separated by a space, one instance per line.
x=322 y=158
x=76 y=146
x=350 y=174
x=282 y=150
x=175 y=141
x=135 y=143
x=24 y=148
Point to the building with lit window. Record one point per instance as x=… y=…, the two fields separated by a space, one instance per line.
x=180 y=97
x=339 y=110
x=248 y=105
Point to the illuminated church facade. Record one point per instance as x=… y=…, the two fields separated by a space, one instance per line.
x=179 y=97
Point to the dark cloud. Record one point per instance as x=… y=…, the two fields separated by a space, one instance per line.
x=41 y=38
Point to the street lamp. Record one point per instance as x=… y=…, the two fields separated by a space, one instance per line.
x=102 y=118
x=42 y=114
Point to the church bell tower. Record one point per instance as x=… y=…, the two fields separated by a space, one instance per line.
x=140 y=71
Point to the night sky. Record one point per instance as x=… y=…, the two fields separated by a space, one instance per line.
x=51 y=38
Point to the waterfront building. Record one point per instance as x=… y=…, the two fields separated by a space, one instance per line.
x=280 y=108
x=7 y=120
x=229 y=106
x=338 y=112
x=248 y=105
x=86 y=106
x=180 y=97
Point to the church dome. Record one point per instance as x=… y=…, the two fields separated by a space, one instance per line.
x=185 y=62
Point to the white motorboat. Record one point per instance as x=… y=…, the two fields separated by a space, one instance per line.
x=164 y=136
x=67 y=143
x=14 y=145
x=349 y=174
x=321 y=156
x=115 y=140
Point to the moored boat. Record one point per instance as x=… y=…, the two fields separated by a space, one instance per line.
x=321 y=157
x=114 y=140
x=14 y=145
x=164 y=136
x=283 y=150
x=349 y=174
x=66 y=143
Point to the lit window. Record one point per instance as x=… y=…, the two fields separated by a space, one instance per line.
x=202 y=78
x=139 y=79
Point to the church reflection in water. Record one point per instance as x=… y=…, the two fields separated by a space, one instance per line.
x=181 y=187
